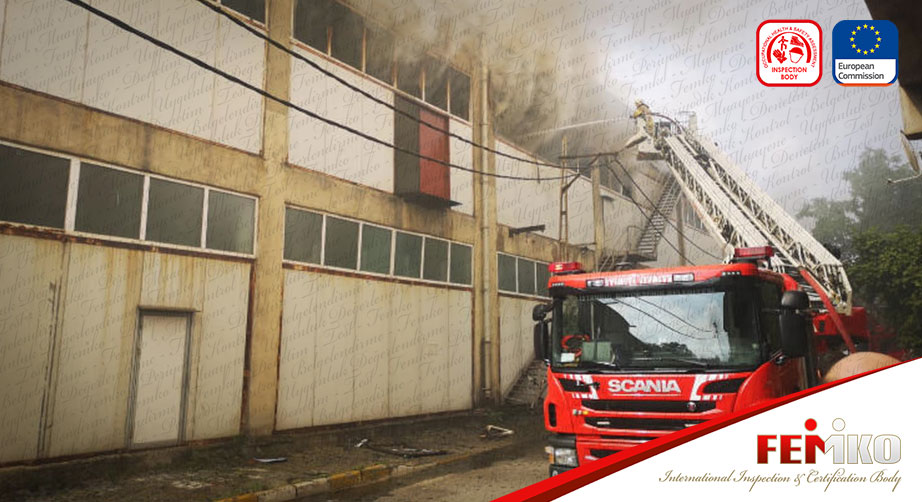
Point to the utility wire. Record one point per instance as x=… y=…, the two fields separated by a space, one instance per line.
x=668 y=221
x=646 y=216
x=198 y=62
x=361 y=91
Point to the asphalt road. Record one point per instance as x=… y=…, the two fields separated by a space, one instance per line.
x=485 y=480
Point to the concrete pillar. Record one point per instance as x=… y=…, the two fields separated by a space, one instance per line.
x=267 y=279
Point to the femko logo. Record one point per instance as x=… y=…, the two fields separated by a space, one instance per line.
x=844 y=448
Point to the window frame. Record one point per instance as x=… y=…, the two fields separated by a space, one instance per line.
x=70 y=212
x=393 y=252
x=537 y=264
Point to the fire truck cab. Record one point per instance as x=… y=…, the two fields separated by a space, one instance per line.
x=634 y=355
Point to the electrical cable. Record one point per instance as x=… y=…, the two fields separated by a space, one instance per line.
x=312 y=64
x=668 y=221
x=192 y=59
x=647 y=217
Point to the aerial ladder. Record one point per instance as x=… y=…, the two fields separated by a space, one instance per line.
x=738 y=213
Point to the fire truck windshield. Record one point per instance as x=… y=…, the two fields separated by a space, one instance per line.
x=689 y=329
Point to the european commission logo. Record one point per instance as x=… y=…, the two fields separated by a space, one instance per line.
x=865 y=52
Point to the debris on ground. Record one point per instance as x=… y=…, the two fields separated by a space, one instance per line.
x=496 y=432
x=400 y=450
x=274 y=460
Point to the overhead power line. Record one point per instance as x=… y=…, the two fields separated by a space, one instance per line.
x=198 y=62
x=666 y=218
x=314 y=65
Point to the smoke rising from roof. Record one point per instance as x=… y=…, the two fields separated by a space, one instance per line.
x=547 y=60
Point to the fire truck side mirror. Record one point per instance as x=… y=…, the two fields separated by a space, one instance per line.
x=793 y=333
x=540 y=311
x=797 y=300
x=541 y=340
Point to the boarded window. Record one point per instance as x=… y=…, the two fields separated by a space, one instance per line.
x=33 y=187
x=230 y=222
x=341 y=245
x=435 y=267
x=346 y=40
x=408 y=255
x=311 y=20
x=408 y=74
x=109 y=202
x=460 y=93
x=174 y=213
x=379 y=54
x=526 y=277
x=376 y=249
x=253 y=9
x=460 y=264
x=303 y=230
x=437 y=83
x=543 y=276
x=506 y=273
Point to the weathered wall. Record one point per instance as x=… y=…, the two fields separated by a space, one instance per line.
x=516 y=337
x=81 y=302
x=356 y=349
x=60 y=49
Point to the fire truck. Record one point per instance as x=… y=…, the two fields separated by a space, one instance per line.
x=633 y=355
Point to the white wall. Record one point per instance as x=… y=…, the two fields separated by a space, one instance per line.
x=526 y=203
x=60 y=49
x=516 y=333
x=356 y=349
x=93 y=322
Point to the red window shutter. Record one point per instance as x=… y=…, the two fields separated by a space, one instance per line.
x=434 y=177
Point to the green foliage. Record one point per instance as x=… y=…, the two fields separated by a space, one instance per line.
x=877 y=232
x=887 y=276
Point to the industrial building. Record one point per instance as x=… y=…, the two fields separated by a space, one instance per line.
x=183 y=258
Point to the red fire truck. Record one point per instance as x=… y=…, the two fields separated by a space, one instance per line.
x=634 y=355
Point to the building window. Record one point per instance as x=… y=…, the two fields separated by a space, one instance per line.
x=109 y=202
x=435 y=266
x=526 y=277
x=437 y=83
x=408 y=77
x=460 y=272
x=33 y=187
x=231 y=221
x=408 y=255
x=303 y=231
x=341 y=244
x=506 y=272
x=460 y=93
x=543 y=275
x=379 y=54
x=174 y=213
x=346 y=35
x=253 y=9
x=376 y=249
x=311 y=22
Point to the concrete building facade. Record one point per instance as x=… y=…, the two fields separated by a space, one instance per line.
x=184 y=259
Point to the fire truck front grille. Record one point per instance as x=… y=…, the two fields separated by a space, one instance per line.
x=641 y=423
x=651 y=406
x=602 y=453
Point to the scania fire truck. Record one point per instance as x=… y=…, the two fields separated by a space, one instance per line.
x=634 y=355
x=637 y=354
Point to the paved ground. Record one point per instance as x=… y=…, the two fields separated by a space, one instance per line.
x=227 y=468
x=497 y=477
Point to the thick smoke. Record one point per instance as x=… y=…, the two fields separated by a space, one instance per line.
x=548 y=59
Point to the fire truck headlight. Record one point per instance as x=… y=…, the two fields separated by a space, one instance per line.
x=565 y=456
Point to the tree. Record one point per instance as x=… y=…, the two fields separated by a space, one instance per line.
x=877 y=233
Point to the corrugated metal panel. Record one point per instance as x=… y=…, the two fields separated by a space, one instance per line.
x=29 y=279
x=218 y=386
x=95 y=347
x=355 y=349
